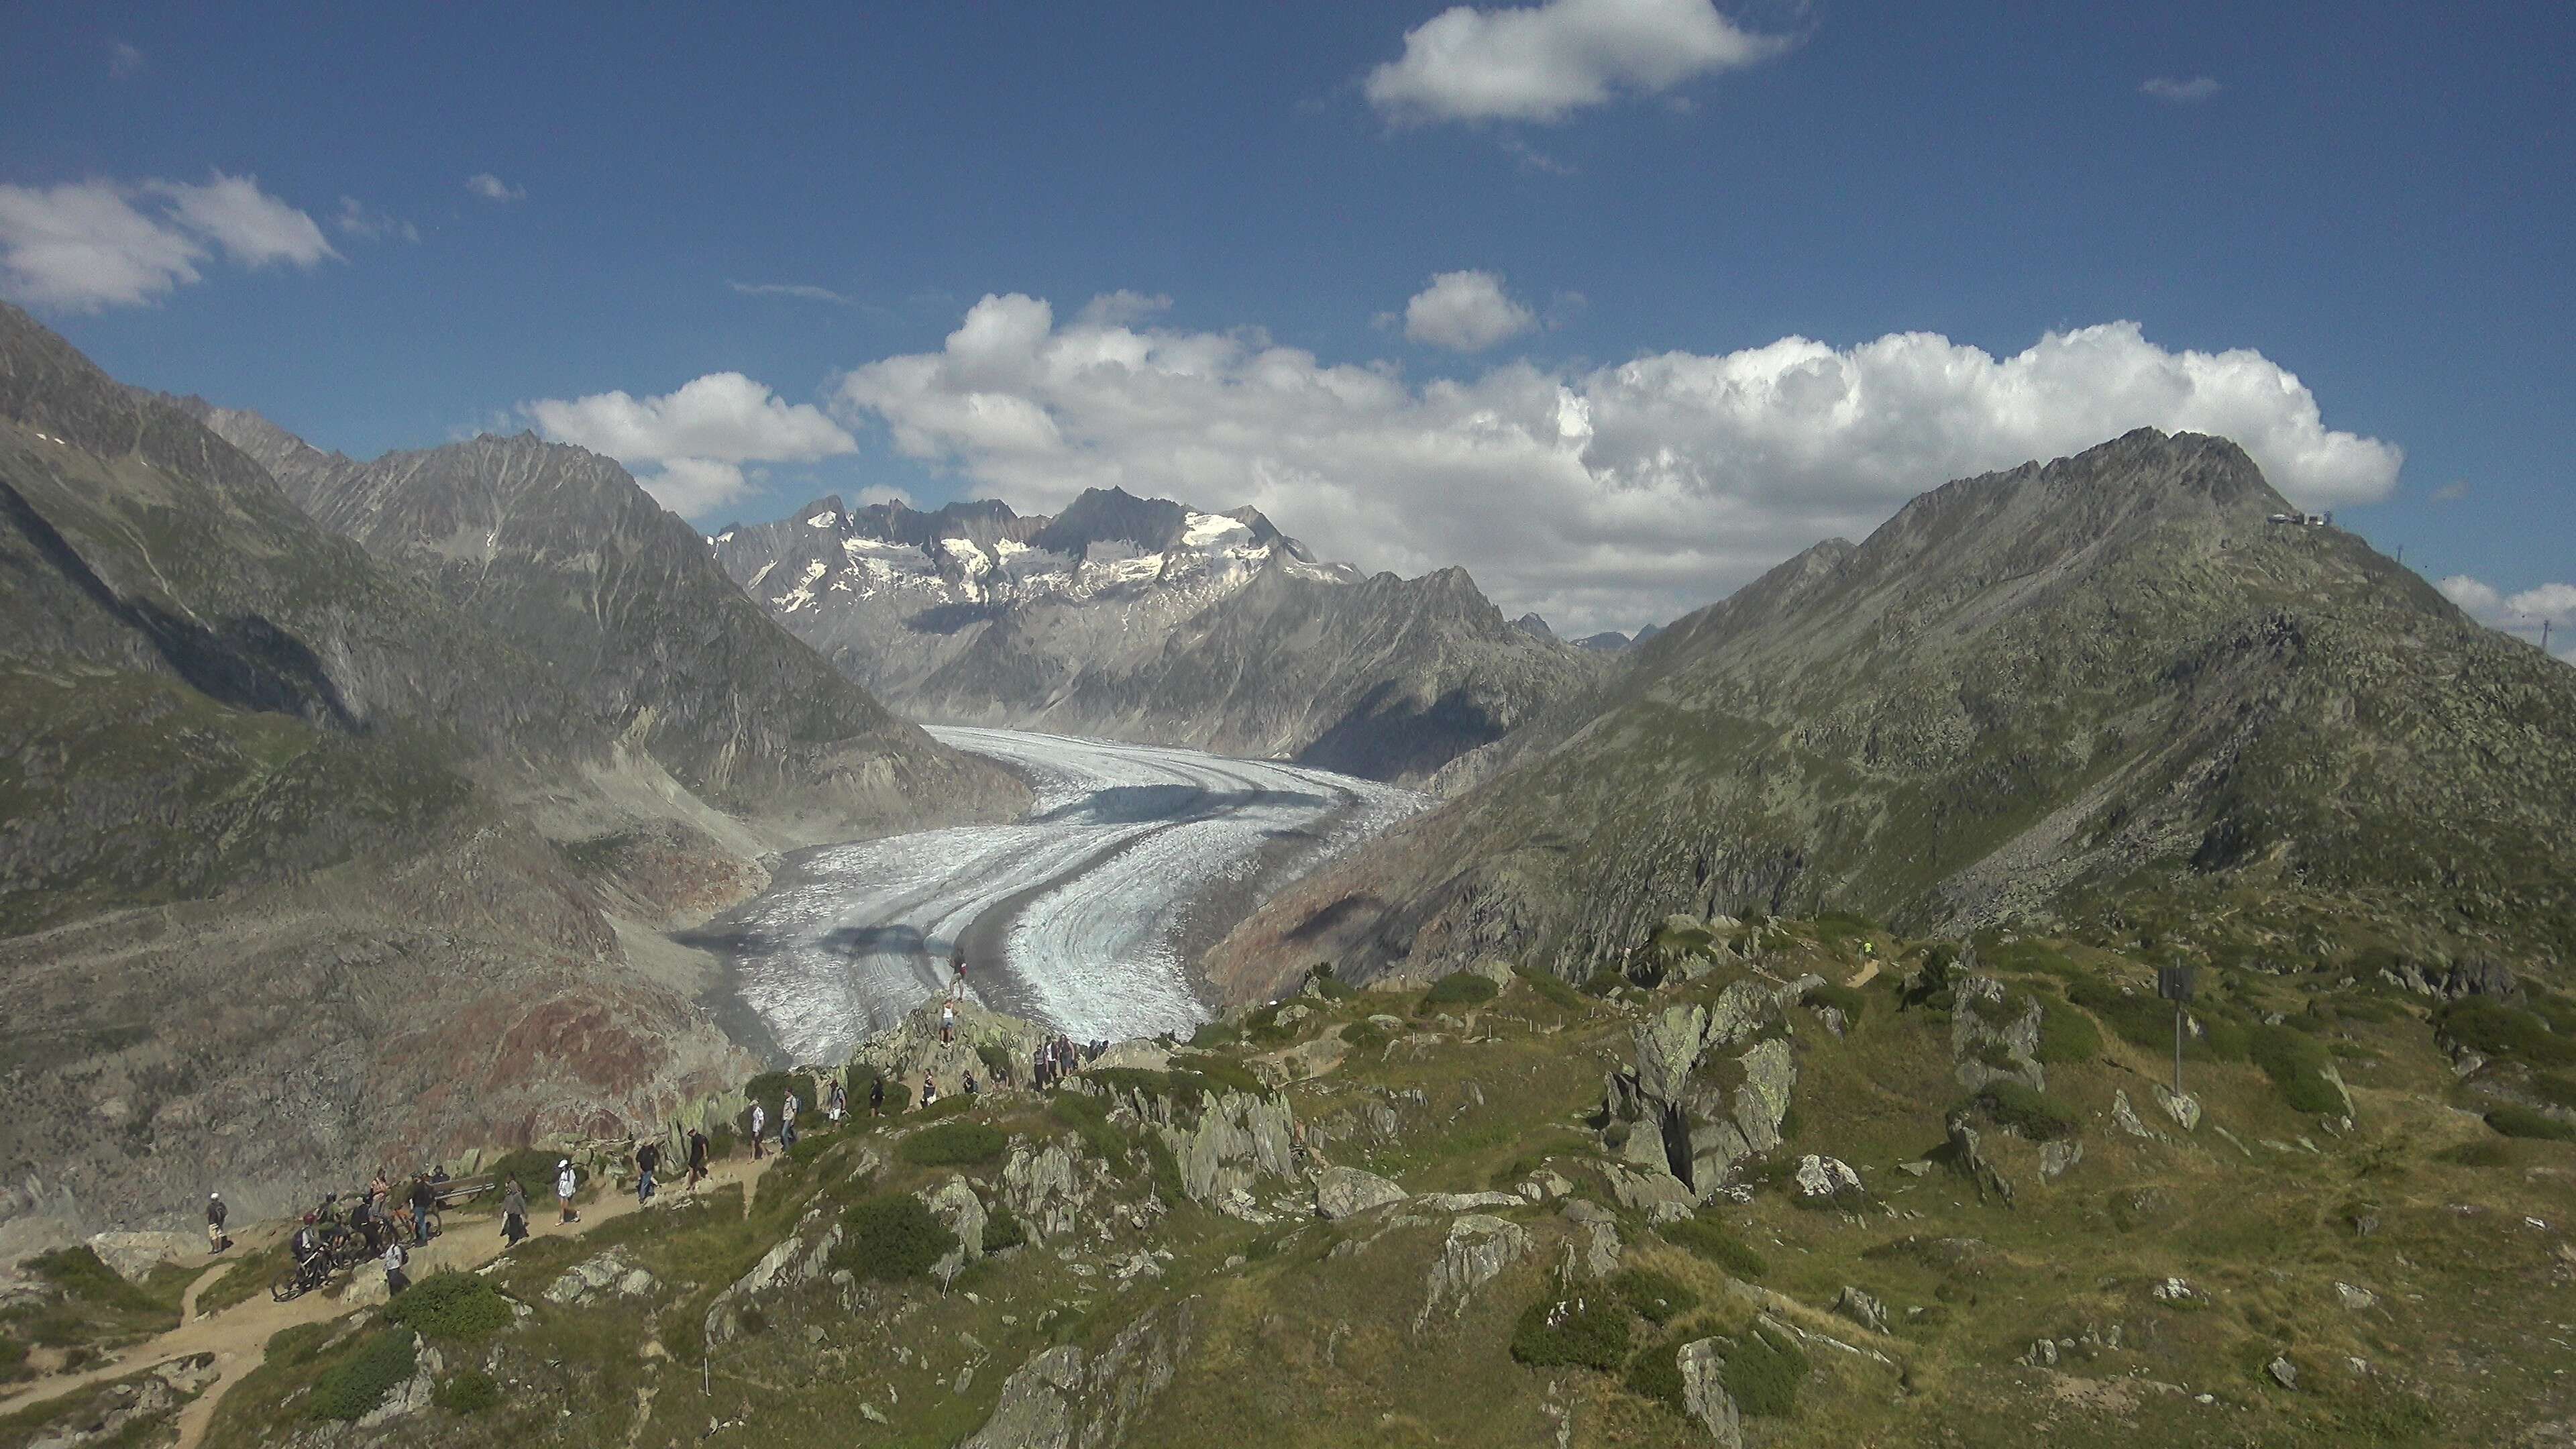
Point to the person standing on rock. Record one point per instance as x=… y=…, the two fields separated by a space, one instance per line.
x=958 y=964
x=648 y=1158
x=876 y=1095
x=514 y=1214
x=395 y=1260
x=216 y=1242
x=759 y=1125
x=929 y=1089
x=565 y=1181
x=947 y=1022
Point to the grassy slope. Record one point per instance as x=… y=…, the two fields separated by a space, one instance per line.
x=1311 y=1339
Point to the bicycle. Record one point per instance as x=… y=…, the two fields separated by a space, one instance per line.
x=301 y=1279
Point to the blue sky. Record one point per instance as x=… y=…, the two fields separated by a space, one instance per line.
x=2373 y=198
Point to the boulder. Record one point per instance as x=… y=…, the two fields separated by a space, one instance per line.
x=1968 y=1158
x=794 y=1260
x=1342 y=1191
x=1592 y=1249
x=133 y=1255
x=2125 y=1116
x=2283 y=1372
x=1479 y=1247
x=1987 y=1044
x=1826 y=1177
x=1863 y=1309
x=609 y=1274
x=1460 y=1202
x=1235 y=1140
x=1661 y=1196
x=1063 y=1397
x=2183 y=1108
x=1703 y=1366
x=954 y=1203
x=1044 y=1190
x=2057 y=1157
x=413 y=1394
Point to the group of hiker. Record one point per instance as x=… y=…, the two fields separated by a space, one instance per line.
x=390 y=1220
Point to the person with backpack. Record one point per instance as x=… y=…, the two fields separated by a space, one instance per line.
x=648 y=1158
x=424 y=1201
x=947 y=1022
x=566 y=1180
x=514 y=1214
x=697 y=1158
x=216 y=1241
x=787 y=1122
x=759 y=1125
x=876 y=1096
x=929 y=1089
x=837 y=1103
x=395 y=1260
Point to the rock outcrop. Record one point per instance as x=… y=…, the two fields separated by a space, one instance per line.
x=1476 y=1251
x=1342 y=1192
x=1065 y=1398
x=1676 y=1116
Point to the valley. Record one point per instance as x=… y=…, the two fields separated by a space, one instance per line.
x=1087 y=914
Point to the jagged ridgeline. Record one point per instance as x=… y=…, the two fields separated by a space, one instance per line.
x=2106 y=690
x=1146 y=620
x=322 y=850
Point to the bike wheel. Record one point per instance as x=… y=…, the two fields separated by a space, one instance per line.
x=434 y=1225
x=285 y=1286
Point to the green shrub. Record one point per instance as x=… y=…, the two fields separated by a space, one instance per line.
x=1167 y=1170
x=1763 y=1373
x=2556 y=1090
x=469 y=1392
x=1586 y=1332
x=1714 y=1242
x=1658 y=1298
x=1656 y=1373
x=2520 y=1121
x=13 y=1358
x=1363 y=1036
x=355 y=1385
x=2297 y=1063
x=955 y=1143
x=81 y=1276
x=1850 y=1001
x=890 y=1237
x=2145 y=1020
x=996 y=1060
x=2497 y=1030
x=1089 y=1119
x=1459 y=988
x=2067 y=1037
x=1558 y=991
x=2014 y=1105
x=1215 y=1034
x=1002 y=1230
x=451 y=1305
x=1217 y=1074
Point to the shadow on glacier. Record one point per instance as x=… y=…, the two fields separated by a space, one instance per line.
x=1146 y=804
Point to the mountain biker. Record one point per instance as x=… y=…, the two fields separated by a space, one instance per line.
x=306 y=1245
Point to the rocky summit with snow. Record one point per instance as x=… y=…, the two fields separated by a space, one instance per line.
x=1151 y=621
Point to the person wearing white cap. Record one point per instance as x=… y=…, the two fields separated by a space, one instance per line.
x=216 y=1241
x=565 y=1182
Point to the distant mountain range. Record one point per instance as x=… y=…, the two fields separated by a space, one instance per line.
x=1148 y=620
x=2106 y=691
x=325 y=846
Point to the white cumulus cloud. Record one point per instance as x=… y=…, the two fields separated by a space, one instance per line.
x=84 y=245
x=690 y=445
x=1465 y=312
x=364 y=222
x=2520 y=614
x=1544 y=62
x=1601 y=498
x=492 y=188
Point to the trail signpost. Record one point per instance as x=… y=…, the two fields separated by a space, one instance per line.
x=2173 y=983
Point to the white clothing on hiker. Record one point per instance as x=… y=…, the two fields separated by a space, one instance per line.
x=564 y=1181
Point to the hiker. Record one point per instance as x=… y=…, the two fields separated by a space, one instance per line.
x=834 y=1105
x=424 y=1201
x=759 y=1124
x=647 y=1158
x=216 y=1242
x=929 y=1089
x=948 y=1021
x=565 y=1181
x=876 y=1096
x=396 y=1280
x=958 y=962
x=787 y=1122
x=514 y=1214
x=697 y=1158
x=970 y=1084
